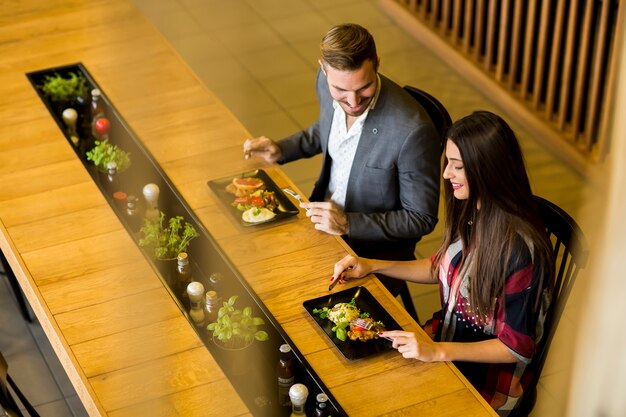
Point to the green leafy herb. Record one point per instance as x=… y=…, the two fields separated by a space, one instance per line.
x=104 y=152
x=60 y=89
x=341 y=330
x=167 y=241
x=322 y=312
x=236 y=328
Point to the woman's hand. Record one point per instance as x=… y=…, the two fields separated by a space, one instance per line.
x=351 y=267
x=407 y=344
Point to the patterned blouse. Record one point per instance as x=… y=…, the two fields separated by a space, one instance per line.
x=515 y=323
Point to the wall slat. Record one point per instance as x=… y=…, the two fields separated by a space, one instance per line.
x=491 y=35
x=555 y=60
x=528 y=64
x=469 y=25
x=602 y=40
x=568 y=66
x=541 y=54
x=582 y=73
x=503 y=41
x=515 y=45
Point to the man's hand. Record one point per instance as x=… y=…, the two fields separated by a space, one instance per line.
x=328 y=217
x=262 y=147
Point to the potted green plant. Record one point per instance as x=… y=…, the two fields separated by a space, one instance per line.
x=167 y=239
x=59 y=89
x=105 y=152
x=236 y=329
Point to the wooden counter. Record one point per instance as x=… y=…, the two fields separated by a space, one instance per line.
x=125 y=345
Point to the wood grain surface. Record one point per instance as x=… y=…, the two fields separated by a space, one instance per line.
x=123 y=341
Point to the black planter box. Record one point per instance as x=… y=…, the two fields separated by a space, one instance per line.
x=257 y=386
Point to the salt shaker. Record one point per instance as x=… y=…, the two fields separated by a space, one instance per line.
x=195 y=291
x=70 y=116
x=151 y=194
x=298 y=394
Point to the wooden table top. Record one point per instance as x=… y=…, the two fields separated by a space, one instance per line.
x=124 y=343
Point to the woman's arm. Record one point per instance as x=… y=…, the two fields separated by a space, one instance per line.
x=486 y=351
x=352 y=267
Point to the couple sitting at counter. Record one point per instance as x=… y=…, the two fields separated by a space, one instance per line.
x=379 y=188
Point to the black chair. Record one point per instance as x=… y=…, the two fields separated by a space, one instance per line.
x=571 y=254
x=437 y=112
x=442 y=121
x=7 y=402
x=15 y=286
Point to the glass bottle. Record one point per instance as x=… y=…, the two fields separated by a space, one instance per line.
x=195 y=291
x=102 y=126
x=97 y=109
x=286 y=375
x=112 y=180
x=321 y=409
x=298 y=394
x=216 y=280
x=133 y=216
x=183 y=277
x=212 y=306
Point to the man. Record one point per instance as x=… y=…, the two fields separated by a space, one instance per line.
x=379 y=182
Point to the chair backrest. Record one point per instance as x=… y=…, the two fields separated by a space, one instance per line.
x=437 y=112
x=570 y=254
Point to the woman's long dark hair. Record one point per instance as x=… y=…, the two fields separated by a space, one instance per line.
x=499 y=211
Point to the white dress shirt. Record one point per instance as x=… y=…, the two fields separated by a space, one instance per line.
x=342 y=145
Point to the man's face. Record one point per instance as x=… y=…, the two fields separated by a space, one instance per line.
x=353 y=90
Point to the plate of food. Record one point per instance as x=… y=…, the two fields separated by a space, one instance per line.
x=253 y=198
x=337 y=313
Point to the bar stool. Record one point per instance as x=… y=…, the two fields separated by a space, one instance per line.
x=17 y=290
x=7 y=402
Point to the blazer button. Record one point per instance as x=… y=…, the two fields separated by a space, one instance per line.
x=375 y=131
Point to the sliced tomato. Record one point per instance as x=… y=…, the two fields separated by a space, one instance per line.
x=357 y=329
x=257 y=200
x=248 y=183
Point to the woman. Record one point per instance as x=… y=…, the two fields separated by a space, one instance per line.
x=493 y=267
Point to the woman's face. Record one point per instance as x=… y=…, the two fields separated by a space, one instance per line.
x=455 y=172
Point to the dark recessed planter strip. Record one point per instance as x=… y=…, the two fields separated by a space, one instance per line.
x=257 y=383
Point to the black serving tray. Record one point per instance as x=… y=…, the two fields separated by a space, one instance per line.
x=285 y=207
x=366 y=303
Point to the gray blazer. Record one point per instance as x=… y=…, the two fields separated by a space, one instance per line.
x=393 y=188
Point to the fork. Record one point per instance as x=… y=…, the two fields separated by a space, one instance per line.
x=368 y=325
x=294 y=195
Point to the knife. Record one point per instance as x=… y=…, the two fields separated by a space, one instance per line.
x=335 y=282
x=332 y=284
